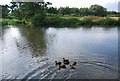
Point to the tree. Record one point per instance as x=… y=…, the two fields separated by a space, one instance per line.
x=84 y=11
x=30 y=11
x=52 y=10
x=5 y=11
x=98 y=10
x=65 y=10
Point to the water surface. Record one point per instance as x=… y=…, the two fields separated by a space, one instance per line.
x=30 y=52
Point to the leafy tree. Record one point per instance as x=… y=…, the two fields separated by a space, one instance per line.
x=5 y=11
x=52 y=10
x=30 y=11
x=98 y=10
x=65 y=10
x=84 y=11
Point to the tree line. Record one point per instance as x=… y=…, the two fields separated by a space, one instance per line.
x=37 y=12
x=30 y=8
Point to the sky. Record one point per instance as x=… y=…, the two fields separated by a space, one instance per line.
x=111 y=5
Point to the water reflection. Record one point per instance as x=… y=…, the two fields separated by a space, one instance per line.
x=35 y=40
x=30 y=52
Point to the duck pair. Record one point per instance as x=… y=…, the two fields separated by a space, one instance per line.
x=66 y=62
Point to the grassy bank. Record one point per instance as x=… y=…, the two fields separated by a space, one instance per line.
x=54 y=21
x=12 y=22
x=61 y=21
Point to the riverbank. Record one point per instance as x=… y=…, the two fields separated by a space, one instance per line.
x=13 y=22
x=77 y=21
x=67 y=21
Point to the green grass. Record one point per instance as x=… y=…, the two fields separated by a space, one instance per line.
x=86 y=21
x=57 y=21
x=10 y=21
x=105 y=21
x=65 y=22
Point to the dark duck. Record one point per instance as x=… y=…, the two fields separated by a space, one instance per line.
x=66 y=61
x=58 y=63
x=74 y=63
x=62 y=66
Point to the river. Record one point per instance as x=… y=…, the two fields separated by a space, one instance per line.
x=31 y=52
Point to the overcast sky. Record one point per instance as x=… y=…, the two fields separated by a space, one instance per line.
x=109 y=4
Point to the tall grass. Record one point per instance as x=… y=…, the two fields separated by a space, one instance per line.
x=58 y=21
x=105 y=21
x=86 y=21
x=10 y=21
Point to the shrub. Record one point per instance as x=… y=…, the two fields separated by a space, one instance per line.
x=10 y=21
x=86 y=21
x=57 y=21
x=14 y=22
x=71 y=22
x=4 y=21
x=105 y=21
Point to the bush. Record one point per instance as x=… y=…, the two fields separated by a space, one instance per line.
x=54 y=21
x=4 y=21
x=14 y=22
x=38 y=19
x=57 y=21
x=10 y=21
x=86 y=21
x=71 y=22
x=105 y=21
x=113 y=15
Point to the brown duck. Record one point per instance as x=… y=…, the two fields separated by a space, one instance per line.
x=72 y=67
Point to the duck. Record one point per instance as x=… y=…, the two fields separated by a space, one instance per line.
x=62 y=66
x=74 y=63
x=65 y=61
x=58 y=63
x=72 y=67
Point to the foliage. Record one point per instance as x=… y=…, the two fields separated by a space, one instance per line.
x=98 y=10
x=113 y=15
x=10 y=21
x=86 y=21
x=5 y=11
x=52 y=10
x=4 y=21
x=95 y=10
x=29 y=11
x=71 y=22
x=38 y=19
x=105 y=21
x=39 y=14
x=57 y=21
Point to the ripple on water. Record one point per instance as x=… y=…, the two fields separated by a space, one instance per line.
x=85 y=70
